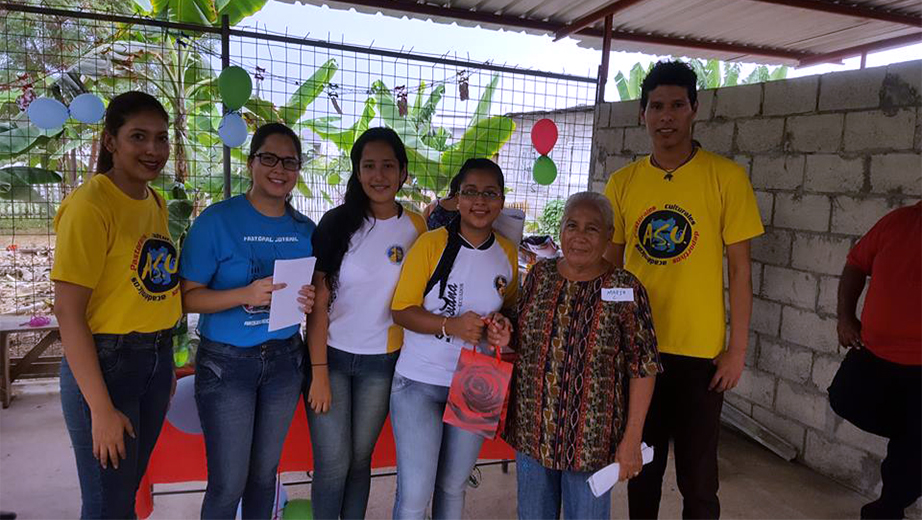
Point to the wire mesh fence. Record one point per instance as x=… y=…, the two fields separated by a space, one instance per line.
x=445 y=109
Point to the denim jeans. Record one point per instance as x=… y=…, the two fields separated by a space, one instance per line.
x=138 y=371
x=434 y=459
x=541 y=491
x=344 y=438
x=246 y=399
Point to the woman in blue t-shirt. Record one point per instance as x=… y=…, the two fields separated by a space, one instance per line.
x=248 y=379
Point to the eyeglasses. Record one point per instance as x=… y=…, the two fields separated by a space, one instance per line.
x=270 y=159
x=490 y=195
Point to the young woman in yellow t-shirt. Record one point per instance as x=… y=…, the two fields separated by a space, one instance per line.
x=117 y=300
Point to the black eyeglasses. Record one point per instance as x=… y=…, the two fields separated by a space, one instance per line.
x=470 y=193
x=269 y=160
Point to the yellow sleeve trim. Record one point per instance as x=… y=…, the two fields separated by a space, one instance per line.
x=418 y=222
x=418 y=267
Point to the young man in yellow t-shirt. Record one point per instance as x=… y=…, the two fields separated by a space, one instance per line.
x=676 y=212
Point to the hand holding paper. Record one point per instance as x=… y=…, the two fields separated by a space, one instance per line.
x=603 y=480
x=296 y=273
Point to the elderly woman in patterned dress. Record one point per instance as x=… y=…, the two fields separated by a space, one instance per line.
x=584 y=375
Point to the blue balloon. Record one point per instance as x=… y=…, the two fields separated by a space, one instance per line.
x=87 y=108
x=47 y=113
x=183 y=413
x=233 y=130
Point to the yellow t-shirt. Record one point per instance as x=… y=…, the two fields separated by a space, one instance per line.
x=121 y=249
x=674 y=233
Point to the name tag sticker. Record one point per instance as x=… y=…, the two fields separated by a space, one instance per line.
x=617 y=294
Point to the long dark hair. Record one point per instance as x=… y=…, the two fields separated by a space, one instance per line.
x=454 y=243
x=259 y=139
x=356 y=206
x=122 y=107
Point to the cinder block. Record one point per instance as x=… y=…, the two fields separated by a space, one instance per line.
x=855 y=216
x=824 y=369
x=757 y=387
x=853 y=436
x=746 y=162
x=808 y=329
x=739 y=101
x=759 y=135
x=846 y=464
x=815 y=133
x=876 y=130
x=636 y=140
x=829 y=292
x=784 y=428
x=902 y=86
x=831 y=173
x=820 y=253
x=766 y=316
x=773 y=247
x=614 y=163
x=608 y=141
x=597 y=186
x=625 y=113
x=715 y=136
x=789 y=286
x=792 y=96
x=782 y=172
x=853 y=89
x=795 y=402
x=897 y=173
x=796 y=211
x=766 y=203
x=602 y=115
x=788 y=363
x=705 y=104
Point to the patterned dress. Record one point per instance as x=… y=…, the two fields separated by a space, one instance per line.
x=576 y=355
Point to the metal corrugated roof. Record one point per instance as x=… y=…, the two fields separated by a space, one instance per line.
x=762 y=31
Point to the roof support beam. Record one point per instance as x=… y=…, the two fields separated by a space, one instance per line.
x=524 y=23
x=899 y=41
x=606 y=56
x=591 y=18
x=858 y=11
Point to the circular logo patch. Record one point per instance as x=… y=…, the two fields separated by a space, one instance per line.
x=665 y=234
x=157 y=266
x=500 y=284
x=395 y=254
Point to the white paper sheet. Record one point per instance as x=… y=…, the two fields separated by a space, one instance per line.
x=604 y=479
x=284 y=311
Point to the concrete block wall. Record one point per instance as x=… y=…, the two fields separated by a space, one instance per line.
x=828 y=156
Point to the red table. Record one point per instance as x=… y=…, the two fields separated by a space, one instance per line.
x=180 y=457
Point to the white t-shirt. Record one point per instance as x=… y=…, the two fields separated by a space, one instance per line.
x=360 y=317
x=483 y=280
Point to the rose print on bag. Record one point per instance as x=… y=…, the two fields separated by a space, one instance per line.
x=477 y=397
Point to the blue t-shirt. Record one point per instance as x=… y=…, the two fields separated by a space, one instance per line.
x=229 y=246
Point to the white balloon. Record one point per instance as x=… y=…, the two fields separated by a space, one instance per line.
x=233 y=130
x=183 y=412
x=87 y=108
x=47 y=113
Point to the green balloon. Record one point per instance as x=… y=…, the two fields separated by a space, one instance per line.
x=334 y=179
x=298 y=509
x=545 y=171
x=235 y=86
x=181 y=357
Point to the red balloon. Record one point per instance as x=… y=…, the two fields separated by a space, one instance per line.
x=544 y=136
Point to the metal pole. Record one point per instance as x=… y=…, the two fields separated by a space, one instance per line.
x=864 y=59
x=606 y=55
x=225 y=62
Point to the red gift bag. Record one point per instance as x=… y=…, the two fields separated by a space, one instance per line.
x=479 y=393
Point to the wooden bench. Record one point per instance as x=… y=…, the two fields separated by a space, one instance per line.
x=30 y=364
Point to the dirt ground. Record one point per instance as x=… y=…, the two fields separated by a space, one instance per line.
x=25 y=285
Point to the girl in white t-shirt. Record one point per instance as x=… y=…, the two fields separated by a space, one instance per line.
x=454 y=284
x=353 y=342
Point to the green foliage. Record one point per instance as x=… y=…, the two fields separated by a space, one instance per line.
x=201 y=12
x=709 y=75
x=549 y=221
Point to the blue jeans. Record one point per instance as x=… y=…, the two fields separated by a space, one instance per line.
x=434 y=459
x=138 y=371
x=541 y=490
x=246 y=399
x=344 y=438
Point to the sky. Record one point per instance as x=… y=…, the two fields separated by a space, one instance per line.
x=512 y=48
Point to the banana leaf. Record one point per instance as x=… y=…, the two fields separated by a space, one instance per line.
x=297 y=105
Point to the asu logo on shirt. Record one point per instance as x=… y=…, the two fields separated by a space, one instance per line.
x=500 y=283
x=154 y=265
x=395 y=254
x=666 y=235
